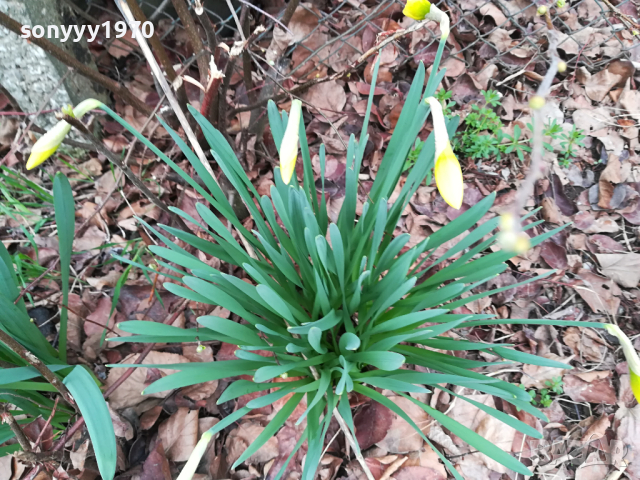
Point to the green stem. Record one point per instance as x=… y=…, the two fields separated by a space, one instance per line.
x=430 y=90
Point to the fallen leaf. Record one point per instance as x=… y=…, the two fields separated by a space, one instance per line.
x=179 y=434
x=156 y=466
x=598 y=85
x=328 y=97
x=622 y=268
x=585 y=343
x=401 y=437
x=600 y=293
x=418 y=473
x=592 y=387
x=372 y=422
x=244 y=435
x=129 y=393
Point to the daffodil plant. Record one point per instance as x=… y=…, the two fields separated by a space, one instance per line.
x=339 y=305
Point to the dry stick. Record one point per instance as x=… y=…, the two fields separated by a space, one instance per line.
x=160 y=51
x=15 y=428
x=537 y=164
x=174 y=103
x=35 y=362
x=48 y=422
x=80 y=67
x=76 y=426
x=192 y=33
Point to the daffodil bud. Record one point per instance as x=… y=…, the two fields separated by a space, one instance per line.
x=289 y=145
x=631 y=356
x=536 y=102
x=189 y=470
x=447 y=171
x=511 y=238
x=50 y=141
x=417 y=9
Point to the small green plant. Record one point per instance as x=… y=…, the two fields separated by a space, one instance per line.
x=569 y=143
x=336 y=307
x=543 y=397
x=483 y=135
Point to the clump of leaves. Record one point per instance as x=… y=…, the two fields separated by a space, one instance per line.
x=335 y=305
x=483 y=136
x=569 y=142
x=543 y=397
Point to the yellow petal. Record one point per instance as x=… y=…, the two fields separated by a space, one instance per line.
x=417 y=9
x=289 y=145
x=635 y=385
x=47 y=144
x=449 y=177
x=630 y=355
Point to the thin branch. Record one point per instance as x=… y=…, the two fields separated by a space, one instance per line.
x=15 y=428
x=84 y=70
x=35 y=362
x=194 y=37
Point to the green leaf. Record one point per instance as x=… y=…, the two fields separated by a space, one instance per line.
x=97 y=418
x=528 y=358
x=232 y=329
x=315 y=340
x=65 y=221
x=381 y=360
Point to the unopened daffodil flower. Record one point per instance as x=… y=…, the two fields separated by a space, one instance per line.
x=630 y=354
x=447 y=169
x=50 y=141
x=289 y=145
x=423 y=10
x=511 y=236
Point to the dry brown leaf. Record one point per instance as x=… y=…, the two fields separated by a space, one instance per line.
x=627 y=428
x=536 y=376
x=179 y=434
x=622 y=268
x=244 y=435
x=128 y=394
x=585 y=343
x=597 y=429
x=401 y=437
x=598 y=85
x=592 y=387
x=600 y=293
x=328 y=97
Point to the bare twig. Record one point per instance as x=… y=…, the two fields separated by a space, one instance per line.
x=48 y=422
x=15 y=428
x=192 y=33
x=84 y=70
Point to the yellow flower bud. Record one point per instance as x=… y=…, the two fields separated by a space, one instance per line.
x=447 y=171
x=289 y=145
x=542 y=10
x=50 y=141
x=536 y=102
x=417 y=9
x=630 y=355
x=562 y=67
x=561 y=3
x=511 y=237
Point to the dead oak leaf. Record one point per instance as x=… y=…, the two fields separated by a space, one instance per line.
x=592 y=387
x=585 y=343
x=600 y=293
x=179 y=434
x=622 y=268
